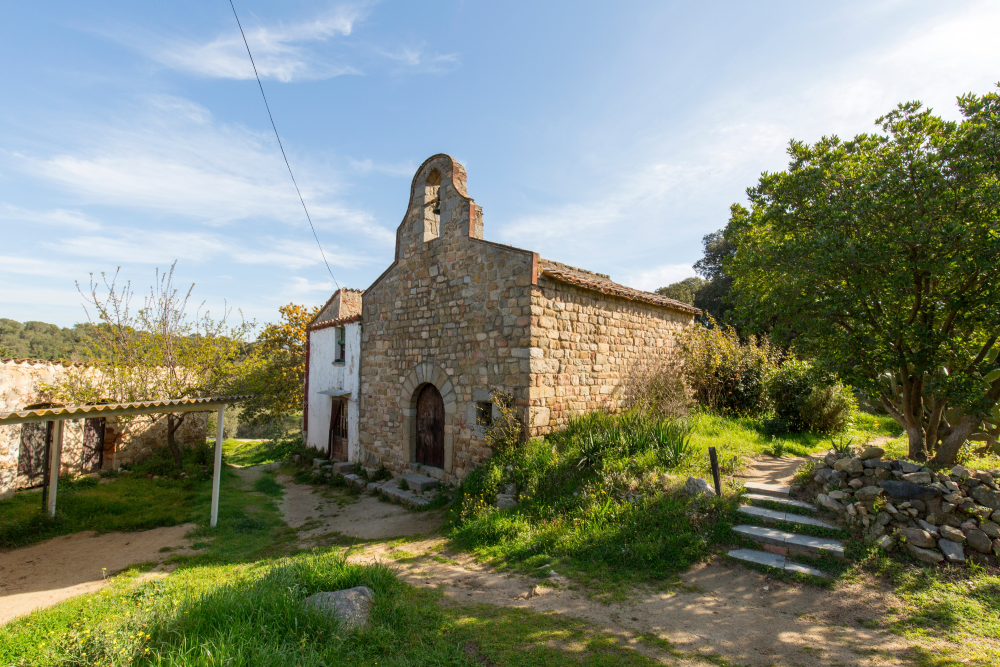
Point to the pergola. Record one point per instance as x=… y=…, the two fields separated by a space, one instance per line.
x=72 y=412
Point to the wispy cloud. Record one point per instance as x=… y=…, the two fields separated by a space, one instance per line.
x=170 y=158
x=660 y=276
x=280 y=52
x=160 y=248
x=733 y=137
x=58 y=217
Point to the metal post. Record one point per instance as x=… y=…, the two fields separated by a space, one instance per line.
x=217 y=473
x=715 y=470
x=54 y=464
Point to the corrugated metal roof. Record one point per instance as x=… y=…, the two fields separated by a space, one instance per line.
x=42 y=362
x=117 y=409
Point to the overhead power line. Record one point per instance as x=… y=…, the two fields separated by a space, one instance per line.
x=281 y=146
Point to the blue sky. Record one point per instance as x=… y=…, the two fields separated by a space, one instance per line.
x=611 y=136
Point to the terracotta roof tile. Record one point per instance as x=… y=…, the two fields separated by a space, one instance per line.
x=334 y=323
x=600 y=282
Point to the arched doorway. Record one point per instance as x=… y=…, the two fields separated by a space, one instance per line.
x=430 y=427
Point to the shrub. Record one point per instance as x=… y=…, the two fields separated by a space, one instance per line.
x=727 y=375
x=829 y=409
x=506 y=431
x=789 y=386
x=656 y=386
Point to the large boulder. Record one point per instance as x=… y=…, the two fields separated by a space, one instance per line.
x=952 y=534
x=852 y=466
x=919 y=538
x=991 y=529
x=872 y=453
x=986 y=497
x=953 y=551
x=925 y=555
x=978 y=540
x=696 y=486
x=907 y=490
x=867 y=493
x=351 y=606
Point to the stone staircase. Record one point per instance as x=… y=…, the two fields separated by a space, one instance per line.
x=781 y=543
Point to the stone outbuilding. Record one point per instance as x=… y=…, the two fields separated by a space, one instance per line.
x=455 y=317
x=89 y=445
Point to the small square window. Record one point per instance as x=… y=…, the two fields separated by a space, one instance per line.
x=484 y=413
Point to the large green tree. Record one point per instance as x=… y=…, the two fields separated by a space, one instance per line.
x=880 y=256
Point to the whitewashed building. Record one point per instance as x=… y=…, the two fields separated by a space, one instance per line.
x=333 y=358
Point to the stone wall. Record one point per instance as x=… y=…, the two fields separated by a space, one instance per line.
x=452 y=310
x=21 y=385
x=584 y=343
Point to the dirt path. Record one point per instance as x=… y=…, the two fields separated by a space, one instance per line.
x=45 y=574
x=720 y=608
x=322 y=514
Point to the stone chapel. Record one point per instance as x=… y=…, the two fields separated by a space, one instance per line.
x=455 y=317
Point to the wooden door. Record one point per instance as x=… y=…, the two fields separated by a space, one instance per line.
x=430 y=427
x=337 y=449
x=93 y=445
x=35 y=440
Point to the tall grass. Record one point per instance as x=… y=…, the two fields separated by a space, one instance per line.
x=593 y=500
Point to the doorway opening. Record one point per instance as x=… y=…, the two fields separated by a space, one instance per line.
x=430 y=427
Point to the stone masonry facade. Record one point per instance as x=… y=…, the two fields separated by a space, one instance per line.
x=471 y=316
x=23 y=383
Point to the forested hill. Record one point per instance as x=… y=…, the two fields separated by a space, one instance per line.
x=40 y=340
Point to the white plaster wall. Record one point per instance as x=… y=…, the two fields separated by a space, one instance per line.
x=324 y=375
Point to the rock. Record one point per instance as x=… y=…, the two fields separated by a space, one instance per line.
x=991 y=529
x=947 y=507
x=319 y=463
x=868 y=493
x=856 y=484
x=986 y=497
x=982 y=512
x=343 y=468
x=510 y=490
x=907 y=467
x=919 y=538
x=935 y=519
x=696 y=486
x=952 y=551
x=924 y=555
x=837 y=495
x=828 y=503
x=891 y=509
x=995 y=517
x=851 y=466
x=960 y=471
x=838 y=477
x=352 y=606
x=822 y=476
x=917 y=477
x=978 y=540
x=872 y=453
x=952 y=534
x=907 y=490
x=885 y=542
x=884 y=519
x=918 y=505
x=830 y=459
x=984 y=476
x=506 y=502
x=996 y=548
x=929 y=527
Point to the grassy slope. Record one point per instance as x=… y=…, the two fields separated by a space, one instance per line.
x=239 y=602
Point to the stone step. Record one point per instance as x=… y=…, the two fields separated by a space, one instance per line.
x=766 y=514
x=814 y=545
x=787 y=502
x=775 y=561
x=772 y=490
